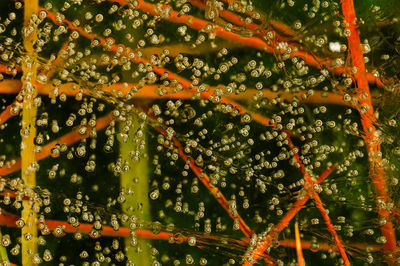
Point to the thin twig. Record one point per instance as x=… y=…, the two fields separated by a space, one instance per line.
x=200 y=25
x=303 y=53
x=299 y=251
x=303 y=197
x=8 y=69
x=9 y=112
x=215 y=191
x=68 y=139
x=108 y=231
x=309 y=185
x=159 y=70
x=153 y=91
x=203 y=177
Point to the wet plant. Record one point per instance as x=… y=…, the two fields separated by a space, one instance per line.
x=204 y=132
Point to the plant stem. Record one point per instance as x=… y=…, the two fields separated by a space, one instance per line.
x=254 y=42
x=3 y=251
x=57 y=62
x=28 y=132
x=299 y=251
x=254 y=254
x=151 y=92
x=6 y=69
x=218 y=195
x=8 y=113
x=368 y=121
x=309 y=186
x=135 y=184
x=206 y=181
x=108 y=231
x=161 y=71
x=68 y=139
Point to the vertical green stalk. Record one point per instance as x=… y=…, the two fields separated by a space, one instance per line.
x=3 y=252
x=135 y=183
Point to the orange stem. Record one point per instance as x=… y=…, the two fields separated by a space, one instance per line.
x=309 y=185
x=68 y=139
x=161 y=71
x=7 y=69
x=325 y=246
x=151 y=92
x=308 y=57
x=10 y=86
x=253 y=256
x=368 y=121
x=299 y=251
x=9 y=220
x=203 y=177
x=8 y=113
x=200 y=25
x=49 y=73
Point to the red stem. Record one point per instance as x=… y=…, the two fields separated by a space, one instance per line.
x=68 y=139
x=308 y=57
x=299 y=250
x=161 y=71
x=6 y=69
x=150 y=92
x=220 y=32
x=368 y=121
x=203 y=177
x=7 y=114
x=49 y=73
x=200 y=25
x=255 y=254
x=206 y=181
x=9 y=220
x=186 y=84
x=309 y=185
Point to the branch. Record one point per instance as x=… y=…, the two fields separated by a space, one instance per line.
x=200 y=25
x=108 y=231
x=158 y=91
x=203 y=177
x=297 y=49
x=309 y=185
x=68 y=139
x=10 y=111
x=368 y=121
x=299 y=251
x=303 y=197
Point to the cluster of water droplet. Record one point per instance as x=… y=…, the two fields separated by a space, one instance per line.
x=150 y=113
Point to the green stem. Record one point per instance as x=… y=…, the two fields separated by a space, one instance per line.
x=3 y=251
x=135 y=184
